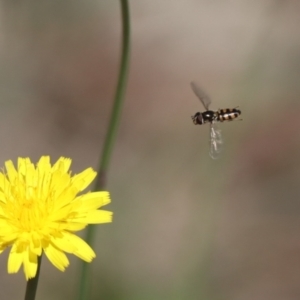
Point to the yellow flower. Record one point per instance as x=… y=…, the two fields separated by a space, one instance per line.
x=40 y=209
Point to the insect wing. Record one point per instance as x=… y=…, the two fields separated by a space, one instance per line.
x=215 y=141
x=201 y=95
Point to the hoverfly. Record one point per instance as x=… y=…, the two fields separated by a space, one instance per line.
x=212 y=117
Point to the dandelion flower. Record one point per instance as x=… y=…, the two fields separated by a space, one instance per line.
x=40 y=210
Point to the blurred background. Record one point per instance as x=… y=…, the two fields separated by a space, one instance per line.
x=185 y=226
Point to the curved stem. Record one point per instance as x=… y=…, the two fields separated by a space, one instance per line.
x=119 y=99
x=110 y=137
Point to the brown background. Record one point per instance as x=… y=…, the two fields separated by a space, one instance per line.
x=185 y=227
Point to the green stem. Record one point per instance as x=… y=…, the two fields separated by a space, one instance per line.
x=110 y=138
x=119 y=99
x=33 y=283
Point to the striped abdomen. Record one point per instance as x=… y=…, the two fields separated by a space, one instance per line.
x=228 y=114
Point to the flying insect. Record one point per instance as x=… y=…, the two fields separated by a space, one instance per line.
x=212 y=117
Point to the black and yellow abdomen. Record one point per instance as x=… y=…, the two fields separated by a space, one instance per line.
x=228 y=114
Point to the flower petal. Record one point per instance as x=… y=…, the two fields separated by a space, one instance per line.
x=57 y=257
x=99 y=216
x=15 y=260
x=11 y=171
x=93 y=200
x=82 y=249
x=63 y=164
x=83 y=179
x=30 y=264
